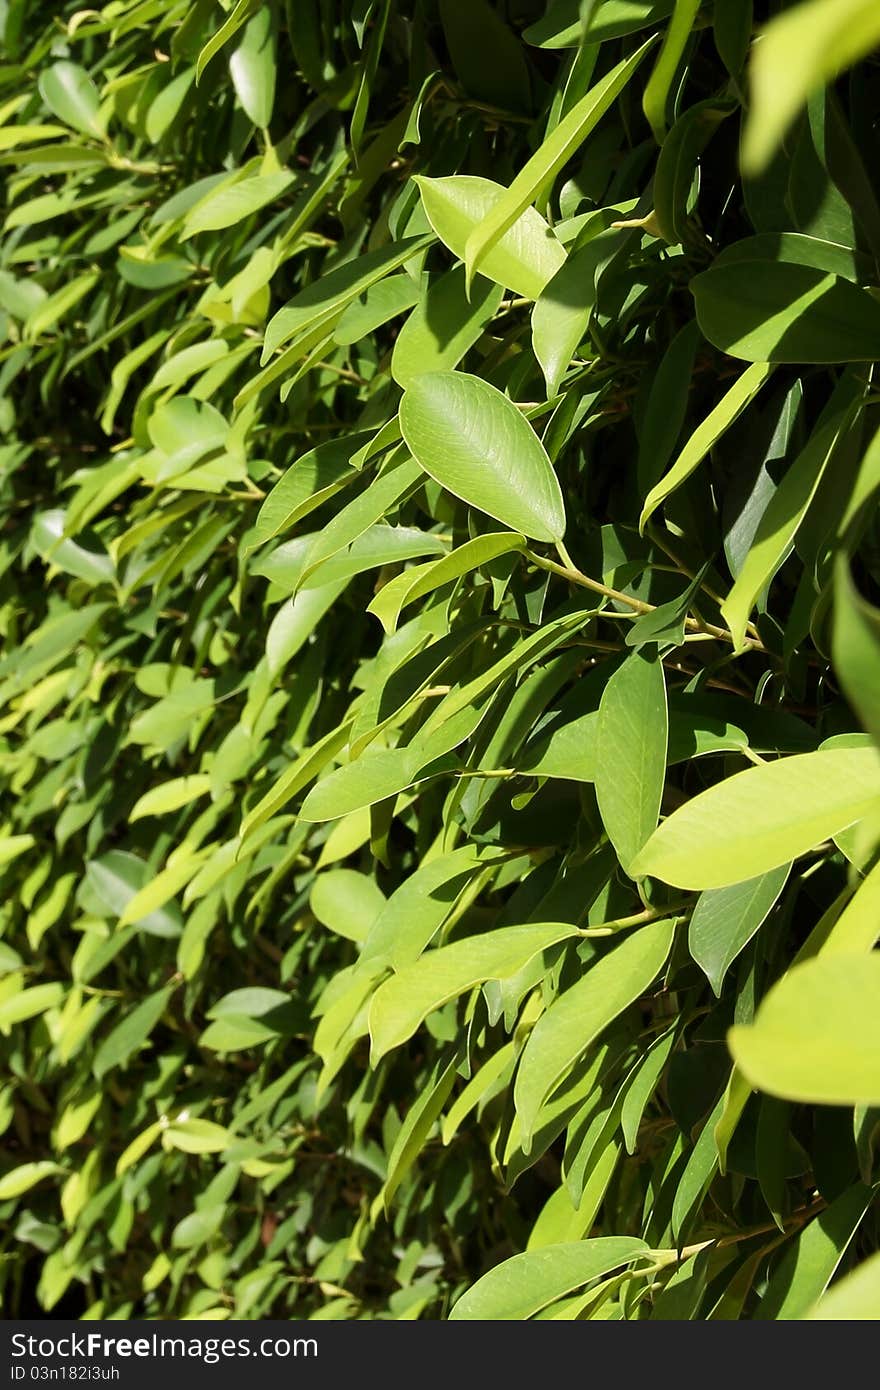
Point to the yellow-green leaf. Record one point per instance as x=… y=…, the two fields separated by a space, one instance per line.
x=519 y=1287
x=400 y=1005
x=524 y=259
x=816 y=1035
x=576 y=1018
x=26 y=1176
x=170 y=796
x=826 y=36
x=549 y=158
x=762 y=818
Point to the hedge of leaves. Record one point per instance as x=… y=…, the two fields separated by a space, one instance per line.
x=440 y=817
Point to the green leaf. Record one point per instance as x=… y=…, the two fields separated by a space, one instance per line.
x=656 y=94
x=178 y=368
x=677 y=164
x=140 y=1145
x=159 y=890
x=856 y=648
x=196 y=1136
x=472 y=31
x=827 y=35
x=298 y=775
x=772 y=1149
x=706 y=435
x=170 y=796
x=567 y=24
x=198 y=1228
x=131 y=1033
x=414 y=583
x=630 y=767
x=253 y=1001
x=52 y=310
x=562 y=313
x=252 y=67
x=28 y=1003
x=347 y=902
x=524 y=259
x=383 y=301
x=419 y=906
x=570 y=752
x=26 y=1176
x=373 y=777
x=443 y=326
x=235 y=20
x=782 y=518
x=231 y=203
x=115 y=878
x=19 y=297
x=290 y=566
x=520 y=1287
x=72 y=96
x=77 y=1116
x=384 y=494
x=794 y=248
x=816 y=1035
x=11 y=846
x=494 y=1072
x=46 y=645
x=416 y=990
x=556 y=150
x=314 y=478
x=47 y=535
x=665 y=625
x=417 y=1125
x=642 y=1086
x=473 y=441
x=323 y=301
x=814 y=1255
x=725 y=920
x=165 y=109
x=762 y=818
x=858 y=926
x=853 y=1298
x=295 y=622
x=465 y=699
x=698 y=1173
x=577 y=1017
x=236 y=1033
x=777 y=311
x=16 y=135
x=866 y=484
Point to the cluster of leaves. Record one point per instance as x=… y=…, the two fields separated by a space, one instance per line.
x=441 y=819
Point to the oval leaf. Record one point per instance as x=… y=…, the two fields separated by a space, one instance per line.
x=72 y=96
x=762 y=818
x=578 y=1016
x=473 y=441
x=400 y=1004
x=631 y=754
x=252 y=67
x=725 y=920
x=816 y=1036
x=525 y=258
x=775 y=311
x=518 y=1288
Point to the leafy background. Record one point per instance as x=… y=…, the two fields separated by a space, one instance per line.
x=439 y=555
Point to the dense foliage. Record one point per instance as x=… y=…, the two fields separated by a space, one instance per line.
x=440 y=823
